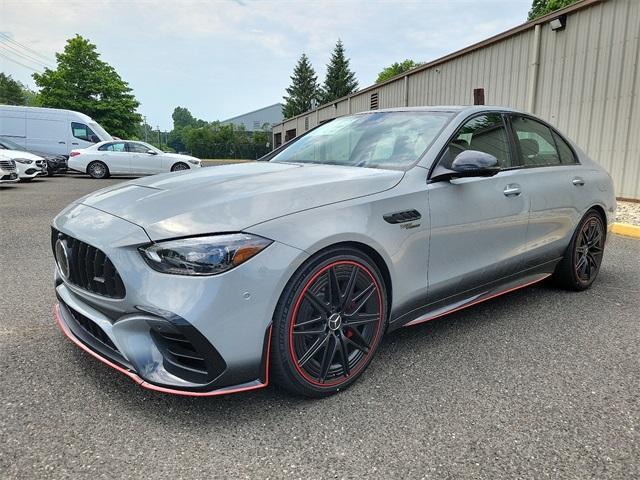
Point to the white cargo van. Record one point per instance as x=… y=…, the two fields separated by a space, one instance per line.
x=50 y=130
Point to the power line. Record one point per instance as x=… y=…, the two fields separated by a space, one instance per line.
x=23 y=56
x=19 y=63
x=29 y=49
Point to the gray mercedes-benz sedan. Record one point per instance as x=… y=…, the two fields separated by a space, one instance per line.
x=292 y=269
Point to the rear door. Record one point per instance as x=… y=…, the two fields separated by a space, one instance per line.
x=478 y=224
x=116 y=157
x=550 y=183
x=143 y=162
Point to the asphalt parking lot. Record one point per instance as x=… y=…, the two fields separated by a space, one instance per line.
x=540 y=383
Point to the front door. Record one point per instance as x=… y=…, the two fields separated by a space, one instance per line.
x=478 y=224
x=143 y=162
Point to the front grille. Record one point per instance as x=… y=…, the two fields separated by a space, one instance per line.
x=8 y=165
x=92 y=328
x=89 y=267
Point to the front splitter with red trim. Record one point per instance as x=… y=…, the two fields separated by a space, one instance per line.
x=137 y=379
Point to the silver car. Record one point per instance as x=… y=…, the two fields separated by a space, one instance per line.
x=292 y=269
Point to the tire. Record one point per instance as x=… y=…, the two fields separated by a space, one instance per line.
x=343 y=326
x=581 y=263
x=98 y=170
x=178 y=167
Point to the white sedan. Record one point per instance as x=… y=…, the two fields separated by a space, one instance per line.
x=124 y=157
x=28 y=165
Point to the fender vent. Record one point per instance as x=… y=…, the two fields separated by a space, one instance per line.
x=401 y=217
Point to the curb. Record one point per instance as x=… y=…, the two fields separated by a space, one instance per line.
x=626 y=229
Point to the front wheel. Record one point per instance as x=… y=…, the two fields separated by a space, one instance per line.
x=98 y=170
x=179 y=167
x=581 y=263
x=329 y=323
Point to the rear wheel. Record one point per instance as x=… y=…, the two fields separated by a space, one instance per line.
x=581 y=263
x=98 y=170
x=179 y=166
x=328 y=324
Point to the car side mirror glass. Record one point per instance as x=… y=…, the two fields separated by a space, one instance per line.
x=152 y=152
x=469 y=163
x=94 y=139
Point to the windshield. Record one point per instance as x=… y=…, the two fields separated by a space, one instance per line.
x=101 y=132
x=390 y=140
x=9 y=145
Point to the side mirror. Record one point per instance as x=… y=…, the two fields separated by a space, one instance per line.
x=469 y=163
x=152 y=152
x=94 y=139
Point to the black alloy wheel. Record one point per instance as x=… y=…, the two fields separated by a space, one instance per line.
x=331 y=326
x=581 y=263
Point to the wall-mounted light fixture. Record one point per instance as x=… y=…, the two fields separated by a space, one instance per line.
x=558 y=23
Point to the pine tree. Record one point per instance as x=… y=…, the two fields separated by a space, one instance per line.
x=303 y=90
x=340 y=80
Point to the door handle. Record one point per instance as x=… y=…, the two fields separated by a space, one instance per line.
x=74 y=143
x=578 y=182
x=512 y=190
x=62 y=143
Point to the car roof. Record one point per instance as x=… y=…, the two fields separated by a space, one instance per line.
x=448 y=108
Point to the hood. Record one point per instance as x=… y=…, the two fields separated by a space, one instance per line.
x=20 y=154
x=231 y=198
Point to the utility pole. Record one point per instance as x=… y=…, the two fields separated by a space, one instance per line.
x=146 y=130
x=159 y=141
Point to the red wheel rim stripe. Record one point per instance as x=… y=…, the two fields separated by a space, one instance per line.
x=295 y=312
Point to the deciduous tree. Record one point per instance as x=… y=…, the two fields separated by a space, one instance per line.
x=85 y=83
x=396 y=69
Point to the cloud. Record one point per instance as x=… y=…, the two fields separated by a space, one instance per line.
x=220 y=58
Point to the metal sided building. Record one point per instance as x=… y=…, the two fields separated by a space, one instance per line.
x=577 y=68
x=263 y=118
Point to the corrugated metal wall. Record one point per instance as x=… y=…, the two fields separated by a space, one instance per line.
x=588 y=84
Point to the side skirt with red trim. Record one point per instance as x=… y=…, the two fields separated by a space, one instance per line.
x=475 y=299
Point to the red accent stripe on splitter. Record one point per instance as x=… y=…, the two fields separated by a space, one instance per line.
x=150 y=386
x=475 y=302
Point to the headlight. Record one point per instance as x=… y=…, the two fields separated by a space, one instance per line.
x=23 y=161
x=209 y=255
x=195 y=162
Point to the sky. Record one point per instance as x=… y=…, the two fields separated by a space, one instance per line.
x=223 y=58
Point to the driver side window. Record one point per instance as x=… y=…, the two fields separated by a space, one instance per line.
x=484 y=133
x=138 y=148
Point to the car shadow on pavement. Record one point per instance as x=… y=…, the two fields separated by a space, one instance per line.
x=394 y=352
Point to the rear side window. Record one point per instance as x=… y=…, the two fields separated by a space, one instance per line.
x=485 y=133
x=536 y=144
x=83 y=132
x=113 y=147
x=566 y=154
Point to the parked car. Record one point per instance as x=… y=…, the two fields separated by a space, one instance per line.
x=8 y=170
x=49 y=130
x=292 y=269
x=29 y=165
x=127 y=157
x=55 y=164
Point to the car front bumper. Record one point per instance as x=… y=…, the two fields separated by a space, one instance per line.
x=185 y=335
